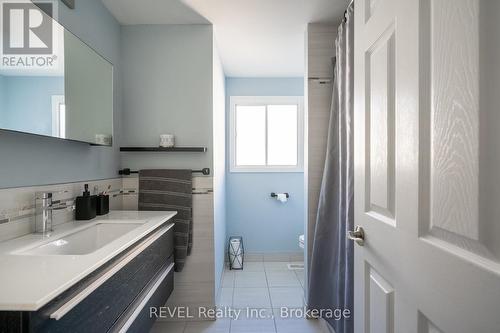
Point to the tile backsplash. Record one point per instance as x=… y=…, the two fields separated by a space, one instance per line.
x=17 y=205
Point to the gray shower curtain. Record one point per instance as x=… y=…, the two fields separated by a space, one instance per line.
x=331 y=270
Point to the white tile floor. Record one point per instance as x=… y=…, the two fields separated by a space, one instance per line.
x=263 y=286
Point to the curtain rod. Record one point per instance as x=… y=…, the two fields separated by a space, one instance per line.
x=345 y=12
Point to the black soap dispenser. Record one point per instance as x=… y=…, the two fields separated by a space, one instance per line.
x=103 y=202
x=86 y=205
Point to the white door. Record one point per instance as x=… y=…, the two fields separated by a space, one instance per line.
x=427 y=166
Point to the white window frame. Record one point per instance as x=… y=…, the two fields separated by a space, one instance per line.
x=266 y=100
x=57 y=101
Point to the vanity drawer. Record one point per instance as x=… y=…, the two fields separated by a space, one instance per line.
x=99 y=310
x=144 y=322
x=137 y=318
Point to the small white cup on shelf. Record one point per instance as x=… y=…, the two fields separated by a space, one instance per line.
x=167 y=140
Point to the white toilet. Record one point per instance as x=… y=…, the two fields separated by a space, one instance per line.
x=298 y=266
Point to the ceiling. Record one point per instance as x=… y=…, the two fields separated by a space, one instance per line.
x=130 y=12
x=255 y=38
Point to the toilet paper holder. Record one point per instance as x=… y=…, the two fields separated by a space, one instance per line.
x=274 y=195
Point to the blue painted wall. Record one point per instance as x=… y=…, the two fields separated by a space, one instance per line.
x=32 y=160
x=37 y=108
x=266 y=225
x=2 y=100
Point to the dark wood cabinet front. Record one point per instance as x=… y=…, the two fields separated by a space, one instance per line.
x=107 y=306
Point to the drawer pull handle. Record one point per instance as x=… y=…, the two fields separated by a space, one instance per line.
x=145 y=300
x=69 y=305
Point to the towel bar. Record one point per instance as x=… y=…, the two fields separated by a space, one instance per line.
x=127 y=171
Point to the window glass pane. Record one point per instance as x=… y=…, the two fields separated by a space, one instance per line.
x=250 y=135
x=282 y=134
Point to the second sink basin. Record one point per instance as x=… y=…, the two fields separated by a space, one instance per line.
x=84 y=241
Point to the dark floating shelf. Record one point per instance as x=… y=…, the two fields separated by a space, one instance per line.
x=165 y=150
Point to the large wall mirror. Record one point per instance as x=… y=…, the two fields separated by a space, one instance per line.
x=52 y=83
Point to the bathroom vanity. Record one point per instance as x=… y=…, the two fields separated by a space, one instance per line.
x=101 y=275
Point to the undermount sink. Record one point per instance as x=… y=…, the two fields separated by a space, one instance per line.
x=84 y=241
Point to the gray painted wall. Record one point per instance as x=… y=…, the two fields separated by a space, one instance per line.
x=2 y=100
x=32 y=160
x=167 y=89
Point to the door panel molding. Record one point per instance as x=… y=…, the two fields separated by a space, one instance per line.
x=380 y=127
x=380 y=302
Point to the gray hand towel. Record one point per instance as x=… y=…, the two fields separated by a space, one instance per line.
x=171 y=190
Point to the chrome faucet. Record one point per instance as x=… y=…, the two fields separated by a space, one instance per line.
x=45 y=205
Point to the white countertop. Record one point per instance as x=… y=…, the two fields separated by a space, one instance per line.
x=28 y=282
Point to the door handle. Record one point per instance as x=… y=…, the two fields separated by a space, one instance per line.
x=358 y=235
